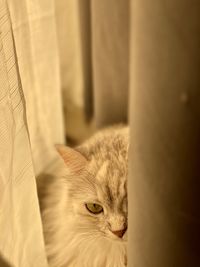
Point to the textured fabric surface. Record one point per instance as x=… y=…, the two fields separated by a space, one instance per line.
x=21 y=242
x=34 y=30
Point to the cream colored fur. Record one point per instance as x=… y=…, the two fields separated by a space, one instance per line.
x=94 y=172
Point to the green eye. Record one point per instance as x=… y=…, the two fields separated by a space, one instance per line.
x=94 y=208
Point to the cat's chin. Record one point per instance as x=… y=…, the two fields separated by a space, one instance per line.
x=106 y=252
x=91 y=252
x=116 y=239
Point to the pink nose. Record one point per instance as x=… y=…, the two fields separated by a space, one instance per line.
x=120 y=233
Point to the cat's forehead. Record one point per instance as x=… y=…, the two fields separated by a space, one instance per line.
x=110 y=180
x=106 y=172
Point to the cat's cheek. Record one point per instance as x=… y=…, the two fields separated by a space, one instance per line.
x=78 y=208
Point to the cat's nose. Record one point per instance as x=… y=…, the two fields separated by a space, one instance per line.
x=120 y=233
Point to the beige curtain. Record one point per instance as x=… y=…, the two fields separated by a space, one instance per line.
x=68 y=67
x=94 y=73
x=21 y=242
x=164 y=181
x=34 y=30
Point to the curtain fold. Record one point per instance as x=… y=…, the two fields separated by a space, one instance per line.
x=34 y=30
x=20 y=222
x=94 y=50
x=110 y=60
x=164 y=184
x=73 y=31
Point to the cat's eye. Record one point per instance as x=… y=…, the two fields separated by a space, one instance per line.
x=94 y=208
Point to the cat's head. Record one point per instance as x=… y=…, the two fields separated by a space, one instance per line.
x=97 y=188
x=85 y=206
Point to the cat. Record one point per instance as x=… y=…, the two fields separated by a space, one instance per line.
x=84 y=208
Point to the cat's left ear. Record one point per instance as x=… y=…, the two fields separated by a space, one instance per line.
x=74 y=160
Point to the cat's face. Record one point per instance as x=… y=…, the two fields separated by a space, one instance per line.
x=98 y=202
x=86 y=222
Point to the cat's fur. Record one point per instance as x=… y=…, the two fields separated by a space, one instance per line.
x=96 y=173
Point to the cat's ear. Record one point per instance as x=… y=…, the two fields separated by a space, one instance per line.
x=74 y=160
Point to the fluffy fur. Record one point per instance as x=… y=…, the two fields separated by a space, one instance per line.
x=95 y=172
